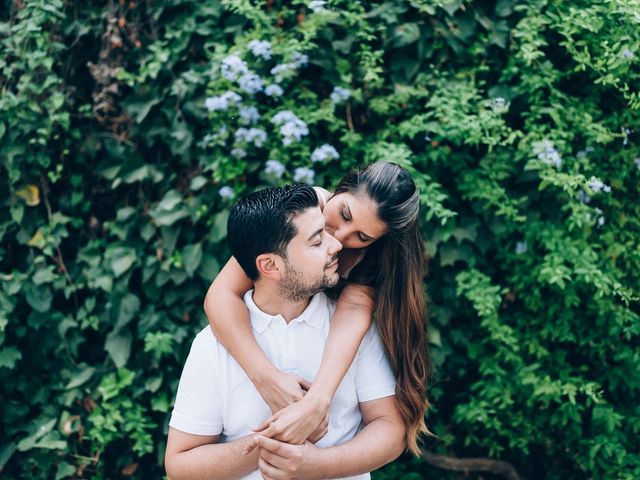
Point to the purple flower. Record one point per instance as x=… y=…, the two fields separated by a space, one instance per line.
x=521 y=247
x=222 y=102
x=282 y=70
x=257 y=136
x=339 y=95
x=274 y=168
x=597 y=185
x=323 y=153
x=251 y=83
x=546 y=153
x=226 y=192
x=233 y=67
x=248 y=115
x=260 y=48
x=299 y=59
x=304 y=175
x=317 y=6
x=273 y=90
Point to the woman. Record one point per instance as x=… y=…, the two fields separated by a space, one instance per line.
x=373 y=213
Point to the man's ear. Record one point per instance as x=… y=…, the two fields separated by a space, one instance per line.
x=270 y=265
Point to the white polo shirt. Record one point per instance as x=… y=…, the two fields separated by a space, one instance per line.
x=215 y=396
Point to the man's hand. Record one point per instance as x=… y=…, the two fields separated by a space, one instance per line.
x=281 y=389
x=279 y=460
x=306 y=419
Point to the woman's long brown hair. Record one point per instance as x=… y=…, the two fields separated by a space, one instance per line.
x=400 y=299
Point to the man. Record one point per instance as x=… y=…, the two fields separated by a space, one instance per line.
x=278 y=237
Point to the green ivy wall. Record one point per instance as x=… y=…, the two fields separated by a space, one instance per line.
x=128 y=128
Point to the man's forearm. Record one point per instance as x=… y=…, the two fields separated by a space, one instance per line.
x=377 y=444
x=220 y=461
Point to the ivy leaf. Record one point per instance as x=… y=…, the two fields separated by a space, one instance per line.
x=6 y=451
x=41 y=430
x=30 y=194
x=39 y=297
x=121 y=260
x=219 y=229
x=9 y=356
x=118 y=345
x=81 y=378
x=192 y=256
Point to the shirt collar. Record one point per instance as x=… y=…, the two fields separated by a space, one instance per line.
x=312 y=315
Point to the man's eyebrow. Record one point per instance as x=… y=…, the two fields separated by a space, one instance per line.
x=317 y=232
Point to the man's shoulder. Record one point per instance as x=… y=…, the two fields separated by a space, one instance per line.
x=205 y=343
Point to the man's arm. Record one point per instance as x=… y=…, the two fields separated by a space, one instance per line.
x=378 y=443
x=195 y=457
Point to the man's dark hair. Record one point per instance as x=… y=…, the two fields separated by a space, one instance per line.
x=262 y=222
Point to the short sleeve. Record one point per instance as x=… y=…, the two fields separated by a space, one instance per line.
x=198 y=406
x=374 y=376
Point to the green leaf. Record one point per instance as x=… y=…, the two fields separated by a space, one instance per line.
x=122 y=259
x=39 y=298
x=41 y=430
x=118 y=345
x=192 y=255
x=219 y=229
x=6 y=451
x=65 y=470
x=81 y=378
x=44 y=275
x=9 y=356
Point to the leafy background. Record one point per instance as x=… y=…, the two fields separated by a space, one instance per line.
x=121 y=155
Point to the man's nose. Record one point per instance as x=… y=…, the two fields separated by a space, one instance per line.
x=334 y=245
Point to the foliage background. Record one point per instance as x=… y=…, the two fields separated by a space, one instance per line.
x=518 y=119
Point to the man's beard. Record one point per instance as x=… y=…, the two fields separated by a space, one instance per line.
x=294 y=288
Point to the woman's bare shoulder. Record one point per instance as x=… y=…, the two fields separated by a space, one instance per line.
x=323 y=196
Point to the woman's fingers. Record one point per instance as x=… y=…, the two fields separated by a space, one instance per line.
x=266 y=423
x=304 y=384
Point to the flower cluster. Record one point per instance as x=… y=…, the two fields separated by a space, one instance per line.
x=273 y=90
x=248 y=115
x=521 y=247
x=274 y=168
x=226 y=192
x=583 y=197
x=222 y=102
x=546 y=153
x=291 y=127
x=324 y=153
x=628 y=54
x=251 y=83
x=283 y=70
x=233 y=67
x=339 y=95
x=260 y=48
x=597 y=185
x=317 y=6
x=257 y=136
x=304 y=175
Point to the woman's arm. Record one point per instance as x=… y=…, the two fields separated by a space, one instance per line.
x=349 y=324
x=229 y=319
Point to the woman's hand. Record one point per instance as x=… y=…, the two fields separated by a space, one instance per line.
x=281 y=389
x=306 y=419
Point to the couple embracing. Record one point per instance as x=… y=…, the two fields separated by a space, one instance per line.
x=291 y=381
